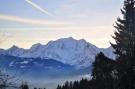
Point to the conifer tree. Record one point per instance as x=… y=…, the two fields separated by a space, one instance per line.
x=58 y=87
x=102 y=72
x=125 y=46
x=125 y=31
x=24 y=86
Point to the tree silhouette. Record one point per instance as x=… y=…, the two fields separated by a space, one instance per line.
x=82 y=84
x=125 y=46
x=24 y=85
x=125 y=31
x=58 y=87
x=102 y=72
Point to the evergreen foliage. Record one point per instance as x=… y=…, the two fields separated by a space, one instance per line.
x=125 y=46
x=82 y=84
x=24 y=86
x=119 y=74
x=103 y=72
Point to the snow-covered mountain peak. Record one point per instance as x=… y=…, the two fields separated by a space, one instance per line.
x=14 y=47
x=82 y=40
x=36 y=47
x=66 y=39
x=14 y=51
x=63 y=43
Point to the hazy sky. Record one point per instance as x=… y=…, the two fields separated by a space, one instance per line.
x=26 y=22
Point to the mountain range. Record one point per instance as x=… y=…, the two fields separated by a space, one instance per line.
x=62 y=59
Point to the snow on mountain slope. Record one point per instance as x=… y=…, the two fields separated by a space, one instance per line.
x=15 y=51
x=108 y=52
x=78 y=53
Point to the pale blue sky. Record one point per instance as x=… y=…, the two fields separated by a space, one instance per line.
x=24 y=24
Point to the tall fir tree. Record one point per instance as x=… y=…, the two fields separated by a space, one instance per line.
x=125 y=31
x=125 y=46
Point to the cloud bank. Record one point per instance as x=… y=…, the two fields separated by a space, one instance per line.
x=33 y=21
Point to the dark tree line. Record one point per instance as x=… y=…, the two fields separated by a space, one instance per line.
x=82 y=84
x=103 y=76
x=25 y=85
x=118 y=73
